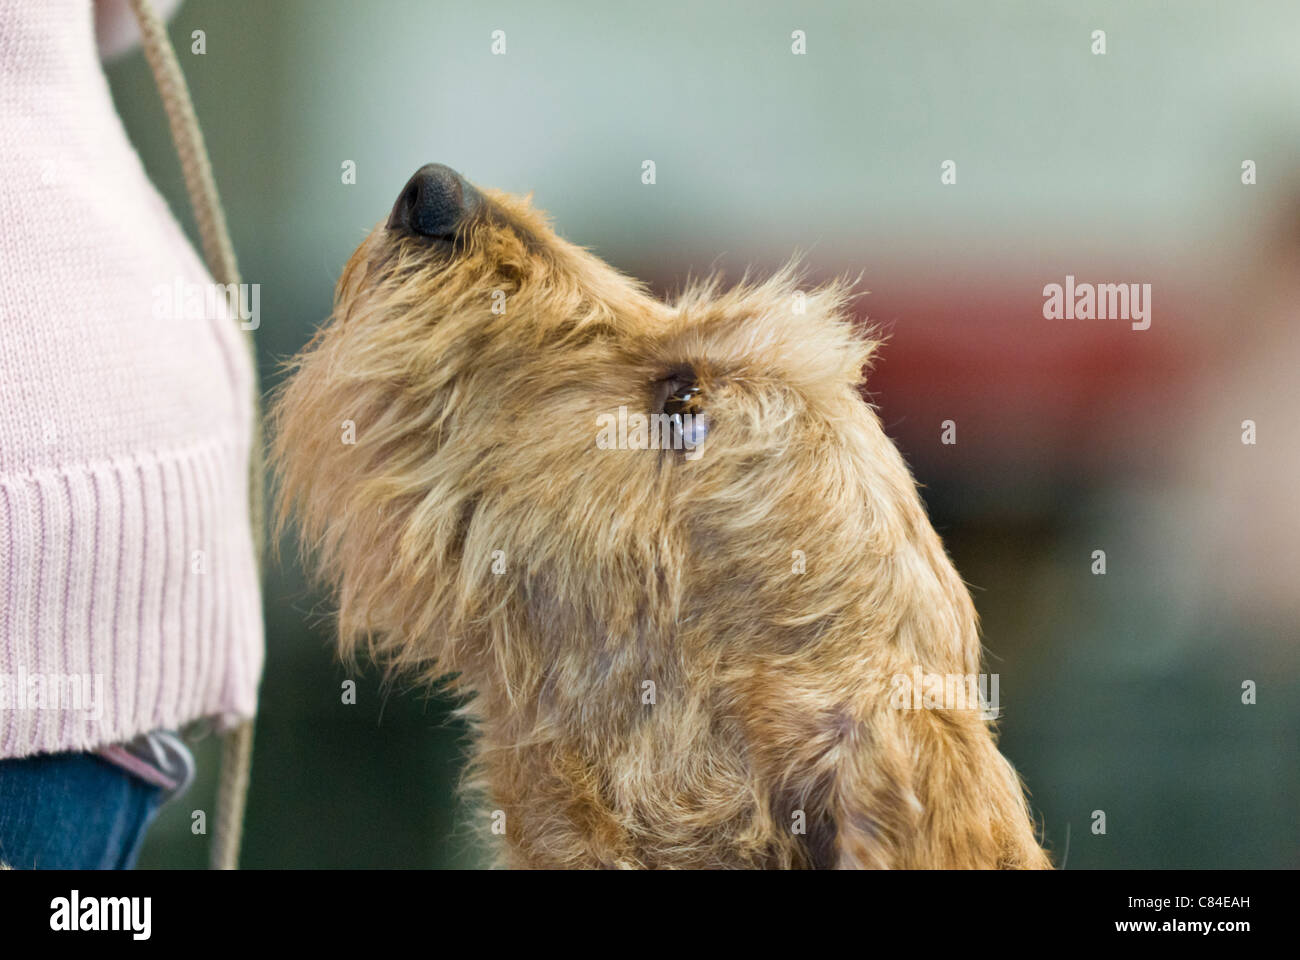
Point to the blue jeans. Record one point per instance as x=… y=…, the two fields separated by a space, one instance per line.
x=73 y=811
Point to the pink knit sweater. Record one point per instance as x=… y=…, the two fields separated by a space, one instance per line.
x=128 y=589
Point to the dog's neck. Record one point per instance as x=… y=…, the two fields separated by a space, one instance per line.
x=605 y=724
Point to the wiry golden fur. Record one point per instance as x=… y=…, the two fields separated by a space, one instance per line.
x=475 y=433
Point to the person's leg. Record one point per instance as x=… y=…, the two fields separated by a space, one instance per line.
x=72 y=811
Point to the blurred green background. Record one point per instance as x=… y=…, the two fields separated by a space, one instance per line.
x=1120 y=693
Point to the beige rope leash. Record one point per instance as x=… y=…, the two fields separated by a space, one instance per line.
x=237 y=749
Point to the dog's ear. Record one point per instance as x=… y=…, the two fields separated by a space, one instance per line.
x=840 y=778
x=855 y=785
x=899 y=789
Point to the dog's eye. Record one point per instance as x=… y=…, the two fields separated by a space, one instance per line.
x=683 y=404
x=682 y=398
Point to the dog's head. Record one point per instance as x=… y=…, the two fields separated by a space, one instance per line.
x=512 y=462
x=493 y=412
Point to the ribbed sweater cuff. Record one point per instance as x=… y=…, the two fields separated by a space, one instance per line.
x=128 y=599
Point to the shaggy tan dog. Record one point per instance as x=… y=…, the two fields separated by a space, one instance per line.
x=679 y=657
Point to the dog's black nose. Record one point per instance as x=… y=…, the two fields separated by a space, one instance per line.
x=433 y=202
